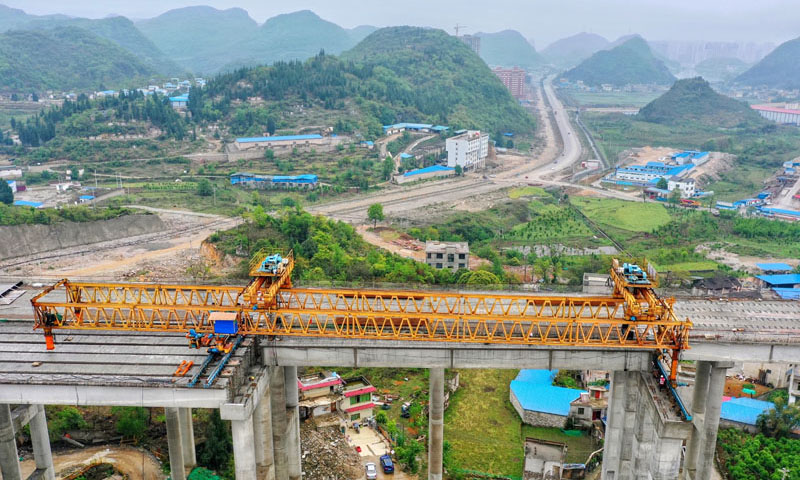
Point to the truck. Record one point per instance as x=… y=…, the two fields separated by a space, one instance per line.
x=689 y=203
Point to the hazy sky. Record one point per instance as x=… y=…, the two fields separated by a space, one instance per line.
x=540 y=20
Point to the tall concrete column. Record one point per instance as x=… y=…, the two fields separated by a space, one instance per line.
x=176 y=465
x=435 y=423
x=187 y=437
x=41 y=445
x=9 y=458
x=292 y=423
x=699 y=399
x=618 y=458
x=716 y=387
x=279 y=422
x=244 y=457
x=262 y=432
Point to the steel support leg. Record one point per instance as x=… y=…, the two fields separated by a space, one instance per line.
x=436 y=423
x=176 y=464
x=187 y=438
x=41 y=445
x=9 y=458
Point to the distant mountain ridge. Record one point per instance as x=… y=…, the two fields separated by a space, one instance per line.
x=64 y=58
x=508 y=49
x=693 y=99
x=207 y=40
x=632 y=62
x=570 y=51
x=779 y=69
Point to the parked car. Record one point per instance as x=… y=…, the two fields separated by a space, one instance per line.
x=372 y=472
x=387 y=464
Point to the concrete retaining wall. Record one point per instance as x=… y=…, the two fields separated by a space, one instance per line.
x=537 y=419
x=22 y=240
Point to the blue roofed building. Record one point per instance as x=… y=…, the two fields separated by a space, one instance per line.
x=770 y=268
x=286 y=142
x=742 y=413
x=251 y=180
x=780 y=213
x=690 y=156
x=538 y=402
x=787 y=280
x=180 y=101
x=423 y=173
x=26 y=203
x=411 y=127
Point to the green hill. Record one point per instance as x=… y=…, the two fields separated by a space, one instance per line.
x=632 y=62
x=14 y=18
x=508 y=49
x=693 y=100
x=779 y=69
x=401 y=74
x=65 y=58
x=443 y=78
x=571 y=51
x=201 y=39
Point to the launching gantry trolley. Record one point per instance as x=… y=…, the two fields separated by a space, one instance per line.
x=632 y=317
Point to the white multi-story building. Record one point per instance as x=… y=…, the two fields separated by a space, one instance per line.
x=685 y=185
x=468 y=150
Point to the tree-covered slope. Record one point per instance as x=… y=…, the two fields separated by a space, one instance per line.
x=14 y=18
x=508 y=49
x=693 y=100
x=632 y=62
x=571 y=51
x=199 y=38
x=440 y=76
x=394 y=75
x=779 y=69
x=65 y=58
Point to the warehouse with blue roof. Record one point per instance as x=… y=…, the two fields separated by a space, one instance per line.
x=423 y=173
x=538 y=402
x=286 y=141
x=251 y=180
x=743 y=413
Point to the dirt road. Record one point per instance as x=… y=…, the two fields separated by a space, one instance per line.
x=136 y=464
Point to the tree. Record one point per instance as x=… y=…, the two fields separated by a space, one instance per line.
x=271 y=126
x=218 y=447
x=662 y=183
x=204 y=188
x=779 y=421
x=675 y=196
x=459 y=170
x=375 y=213
x=6 y=195
x=68 y=418
x=131 y=421
x=269 y=154
x=388 y=168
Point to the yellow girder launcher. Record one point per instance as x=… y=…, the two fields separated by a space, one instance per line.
x=632 y=317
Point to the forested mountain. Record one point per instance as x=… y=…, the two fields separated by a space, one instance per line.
x=508 y=49
x=393 y=75
x=201 y=39
x=779 y=69
x=440 y=76
x=629 y=63
x=206 y=40
x=693 y=100
x=571 y=51
x=292 y=36
x=14 y=18
x=65 y=58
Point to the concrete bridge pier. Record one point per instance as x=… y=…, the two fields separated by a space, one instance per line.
x=9 y=458
x=435 y=423
x=262 y=431
x=292 y=393
x=706 y=409
x=187 y=437
x=644 y=437
x=175 y=443
x=40 y=437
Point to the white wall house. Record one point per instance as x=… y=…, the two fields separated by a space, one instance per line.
x=685 y=185
x=468 y=150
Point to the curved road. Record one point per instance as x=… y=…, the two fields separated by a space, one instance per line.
x=542 y=170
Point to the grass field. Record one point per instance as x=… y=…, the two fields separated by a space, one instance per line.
x=688 y=266
x=611 y=99
x=553 y=223
x=518 y=192
x=631 y=216
x=486 y=432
